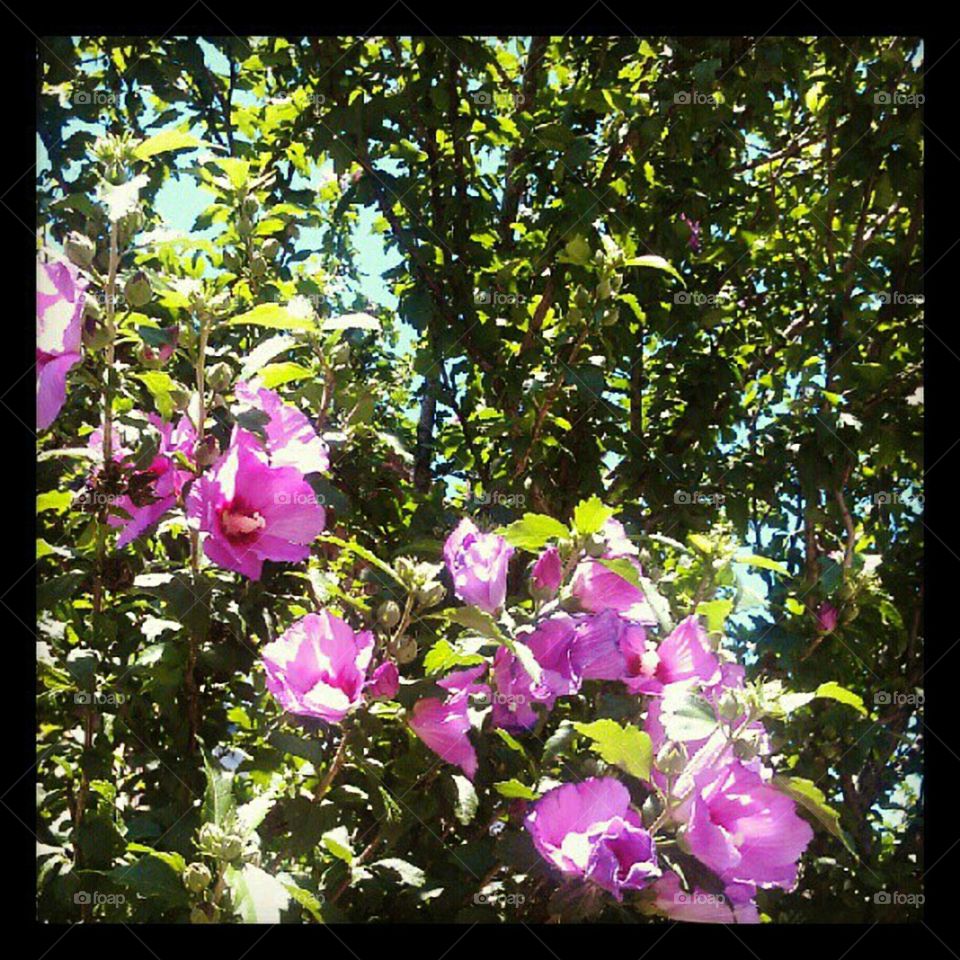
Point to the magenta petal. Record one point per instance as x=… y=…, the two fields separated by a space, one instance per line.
x=443 y=727
x=52 y=387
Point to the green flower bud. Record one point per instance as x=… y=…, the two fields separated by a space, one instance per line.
x=95 y=334
x=595 y=545
x=431 y=594
x=80 y=249
x=244 y=226
x=208 y=451
x=199 y=915
x=407 y=651
x=231 y=848
x=581 y=298
x=137 y=290
x=258 y=266
x=251 y=206
x=209 y=838
x=671 y=760
x=197 y=877
x=603 y=289
x=611 y=316
x=92 y=308
x=340 y=355
x=219 y=376
x=388 y=614
x=180 y=397
x=270 y=248
x=231 y=261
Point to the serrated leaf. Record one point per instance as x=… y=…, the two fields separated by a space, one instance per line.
x=257 y=896
x=685 y=715
x=514 y=789
x=654 y=262
x=533 y=531
x=274 y=316
x=627 y=747
x=590 y=515
x=164 y=142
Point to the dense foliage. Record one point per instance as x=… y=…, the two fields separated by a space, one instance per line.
x=677 y=277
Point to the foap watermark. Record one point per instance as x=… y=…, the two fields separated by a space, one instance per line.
x=898 y=298
x=87 y=698
x=501 y=99
x=488 y=499
x=100 y=98
x=509 y=700
x=93 y=898
x=697 y=496
x=493 y=298
x=699 y=898
x=695 y=98
x=299 y=499
x=896 y=898
x=897 y=698
x=697 y=299
x=499 y=899
x=892 y=496
x=894 y=99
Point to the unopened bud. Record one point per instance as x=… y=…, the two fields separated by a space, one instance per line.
x=407 y=651
x=270 y=248
x=258 y=266
x=340 y=354
x=388 y=614
x=219 y=377
x=251 y=206
x=80 y=249
x=671 y=761
x=595 y=545
x=231 y=261
x=137 y=290
x=431 y=594
x=207 y=451
x=197 y=877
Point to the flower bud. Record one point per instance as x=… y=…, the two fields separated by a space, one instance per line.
x=231 y=261
x=137 y=291
x=251 y=206
x=197 y=877
x=431 y=594
x=80 y=249
x=407 y=651
x=231 y=848
x=258 y=266
x=388 y=614
x=270 y=248
x=92 y=308
x=670 y=760
x=207 y=451
x=340 y=354
x=244 y=226
x=595 y=545
x=219 y=377
x=546 y=575
x=209 y=838
x=180 y=397
x=95 y=334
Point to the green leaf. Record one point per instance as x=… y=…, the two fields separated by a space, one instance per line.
x=466 y=803
x=715 y=612
x=533 y=531
x=655 y=263
x=160 y=385
x=755 y=560
x=685 y=715
x=361 y=552
x=514 y=789
x=164 y=142
x=257 y=896
x=58 y=500
x=219 y=805
x=274 y=316
x=831 y=690
x=337 y=841
x=814 y=801
x=277 y=374
x=473 y=619
x=409 y=874
x=628 y=747
x=305 y=898
x=589 y=516
x=443 y=655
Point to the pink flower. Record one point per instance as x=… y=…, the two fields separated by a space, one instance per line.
x=698 y=906
x=384 y=683
x=443 y=725
x=596 y=653
x=589 y=830
x=60 y=300
x=598 y=588
x=253 y=511
x=683 y=655
x=827 y=617
x=744 y=830
x=318 y=667
x=478 y=564
x=546 y=574
x=291 y=439
x=160 y=484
